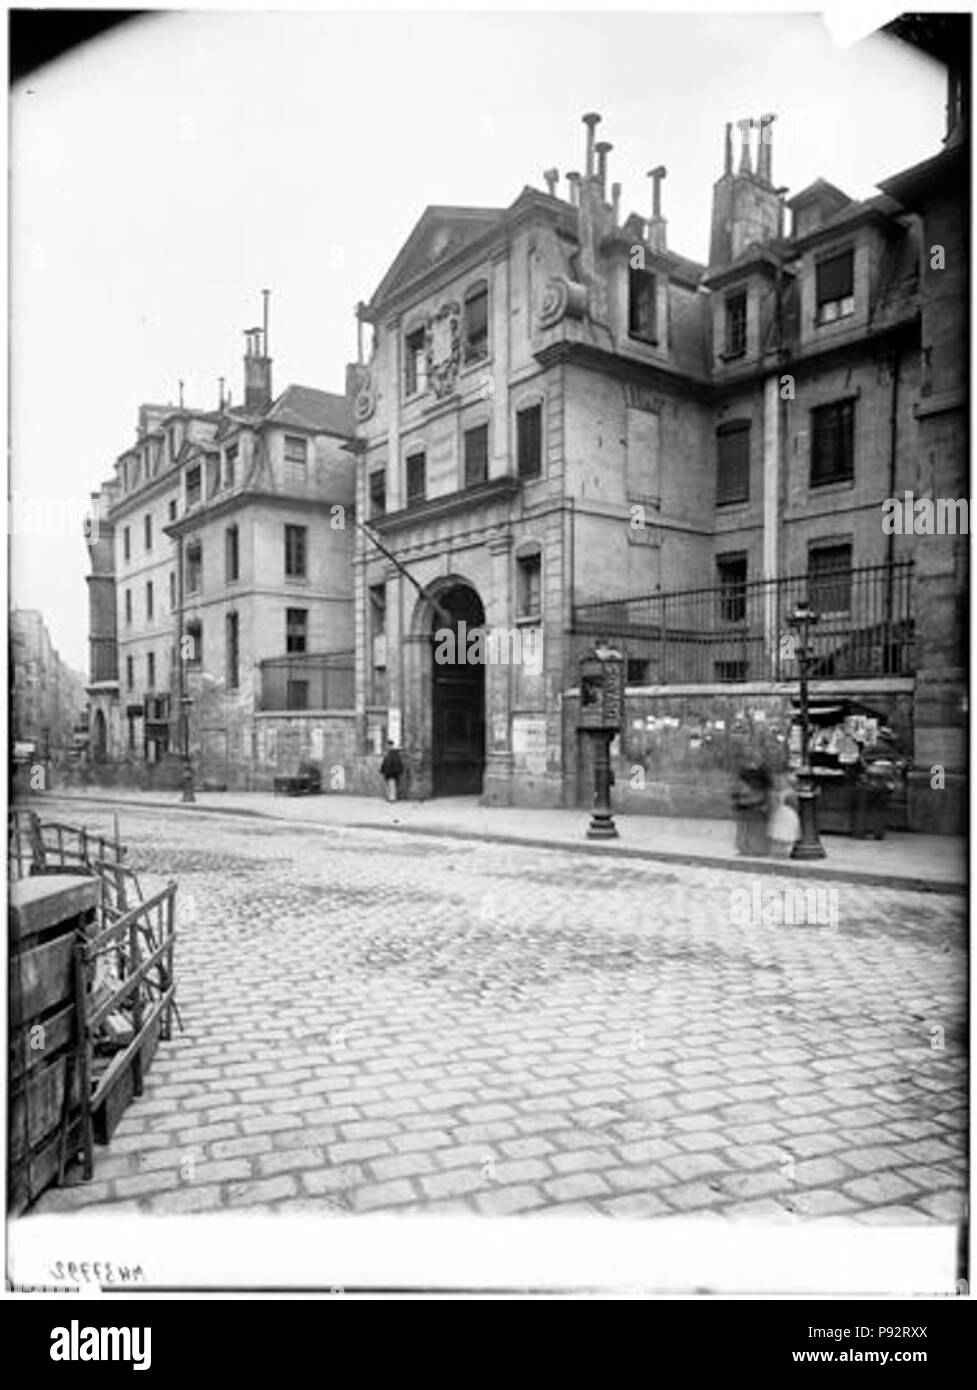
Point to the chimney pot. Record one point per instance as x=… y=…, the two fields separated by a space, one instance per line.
x=552 y=177
x=656 y=175
x=616 y=203
x=764 y=159
x=728 y=157
x=590 y=120
x=603 y=148
x=573 y=179
x=746 y=126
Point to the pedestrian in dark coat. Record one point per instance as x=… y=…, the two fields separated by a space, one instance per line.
x=391 y=770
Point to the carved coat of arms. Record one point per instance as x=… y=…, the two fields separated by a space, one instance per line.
x=442 y=345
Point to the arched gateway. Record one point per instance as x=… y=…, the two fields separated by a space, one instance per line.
x=445 y=714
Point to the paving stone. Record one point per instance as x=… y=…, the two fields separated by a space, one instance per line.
x=878 y=1188
x=572 y=1186
x=509 y=1201
x=259 y=1193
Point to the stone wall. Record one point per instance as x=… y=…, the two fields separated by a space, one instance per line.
x=689 y=741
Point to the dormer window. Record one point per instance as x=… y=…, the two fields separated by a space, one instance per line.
x=476 y=323
x=736 y=324
x=415 y=363
x=230 y=465
x=642 y=305
x=835 y=287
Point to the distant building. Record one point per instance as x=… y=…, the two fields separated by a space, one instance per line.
x=47 y=698
x=565 y=425
x=221 y=578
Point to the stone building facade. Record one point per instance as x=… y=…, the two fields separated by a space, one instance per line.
x=47 y=698
x=558 y=411
x=220 y=582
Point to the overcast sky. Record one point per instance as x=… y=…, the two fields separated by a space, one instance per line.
x=162 y=175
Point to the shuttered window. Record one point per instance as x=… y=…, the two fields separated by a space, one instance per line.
x=733 y=464
x=835 y=277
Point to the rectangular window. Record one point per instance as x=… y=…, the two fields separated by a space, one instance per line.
x=150 y=671
x=231 y=654
x=130 y=673
x=829 y=578
x=835 y=287
x=731 y=574
x=416 y=469
x=476 y=455
x=529 y=441
x=172 y=591
x=126 y=543
x=529 y=571
x=378 y=492
x=149 y=600
x=476 y=324
x=231 y=555
x=295 y=552
x=732 y=464
x=193 y=486
x=194 y=567
x=296 y=631
x=147 y=526
x=193 y=634
x=172 y=509
x=642 y=306
x=128 y=605
x=378 y=641
x=415 y=364
x=736 y=324
x=296 y=459
x=230 y=465
x=833 y=443
x=637 y=671
x=296 y=694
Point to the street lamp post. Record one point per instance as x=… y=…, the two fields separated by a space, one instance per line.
x=601 y=715
x=809 y=845
x=187 y=793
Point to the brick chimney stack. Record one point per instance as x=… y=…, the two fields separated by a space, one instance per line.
x=257 y=365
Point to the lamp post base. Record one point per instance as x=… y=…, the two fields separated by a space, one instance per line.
x=602 y=828
x=809 y=845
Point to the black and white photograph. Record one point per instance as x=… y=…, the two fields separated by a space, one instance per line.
x=488 y=667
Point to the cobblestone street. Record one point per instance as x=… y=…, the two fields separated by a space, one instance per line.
x=383 y=1022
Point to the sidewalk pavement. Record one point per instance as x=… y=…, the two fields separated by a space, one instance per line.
x=933 y=863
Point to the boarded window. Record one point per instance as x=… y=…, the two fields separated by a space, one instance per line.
x=833 y=443
x=733 y=463
x=476 y=455
x=296 y=694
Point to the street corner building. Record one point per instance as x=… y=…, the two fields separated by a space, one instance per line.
x=220 y=593
x=563 y=424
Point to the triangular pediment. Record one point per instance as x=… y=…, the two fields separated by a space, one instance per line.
x=440 y=234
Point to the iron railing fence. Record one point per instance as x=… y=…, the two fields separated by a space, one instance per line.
x=739 y=631
x=315 y=681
